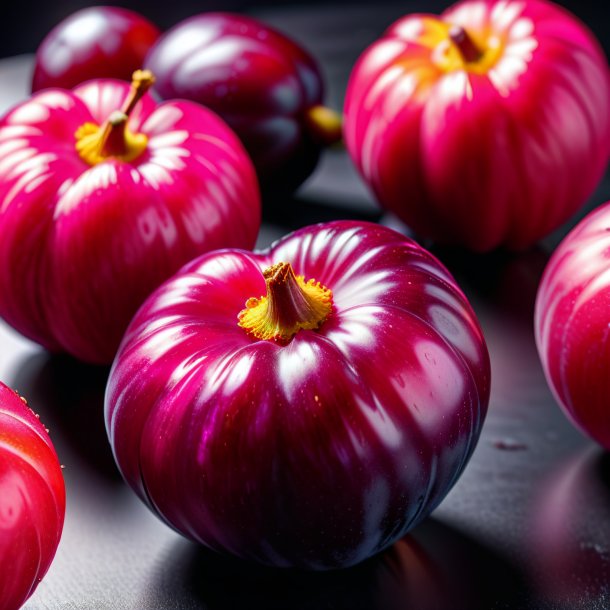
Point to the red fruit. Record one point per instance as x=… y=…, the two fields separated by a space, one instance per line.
x=573 y=324
x=315 y=425
x=486 y=126
x=104 y=194
x=95 y=42
x=32 y=500
x=265 y=86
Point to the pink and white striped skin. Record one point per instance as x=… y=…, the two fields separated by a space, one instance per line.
x=82 y=243
x=573 y=325
x=315 y=452
x=487 y=126
x=32 y=500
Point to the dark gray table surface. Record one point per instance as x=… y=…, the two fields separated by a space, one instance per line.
x=527 y=526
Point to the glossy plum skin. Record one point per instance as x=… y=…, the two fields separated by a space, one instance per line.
x=492 y=154
x=257 y=79
x=95 y=42
x=318 y=453
x=32 y=500
x=572 y=324
x=82 y=246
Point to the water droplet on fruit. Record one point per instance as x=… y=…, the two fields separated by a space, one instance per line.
x=430 y=358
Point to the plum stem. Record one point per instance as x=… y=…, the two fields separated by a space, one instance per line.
x=469 y=51
x=141 y=82
x=113 y=139
x=325 y=124
x=291 y=304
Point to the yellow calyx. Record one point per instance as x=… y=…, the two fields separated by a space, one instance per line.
x=453 y=47
x=96 y=143
x=291 y=304
x=462 y=50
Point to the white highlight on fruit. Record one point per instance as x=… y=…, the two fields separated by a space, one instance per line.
x=28 y=167
x=76 y=38
x=451 y=326
x=504 y=14
x=368 y=287
x=80 y=31
x=471 y=15
x=357 y=328
x=214 y=61
x=170 y=141
x=297 y=364
x=55 y=99
x=522 y=28
x=384 y=55
x=155 y=174
x=162 y=119
x=400 y=95
x=443 y=381
x=237 y=370
x=185 y=42
x=410 y=29
x=99 y=177
x=32 y=112
x=522 y=49
x=389 y=76
x=12 y=162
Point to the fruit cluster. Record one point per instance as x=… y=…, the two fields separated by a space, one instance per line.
x=246 y=388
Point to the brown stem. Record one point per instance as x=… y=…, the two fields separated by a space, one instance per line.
x=96 y=143
x=113 y=140
x=290 y=304
x=465 y=45
x=141 y=82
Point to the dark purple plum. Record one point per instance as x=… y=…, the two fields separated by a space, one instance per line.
x=264 y=85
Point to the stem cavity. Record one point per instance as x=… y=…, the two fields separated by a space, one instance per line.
x=291 y=304
x=96 y=143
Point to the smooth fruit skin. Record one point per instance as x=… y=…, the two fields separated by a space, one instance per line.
x=573 y=324
x=82 y=246
x=95 y=42
x=488 y=153
x=32 y=500
x=318 y=453
x=257 y=79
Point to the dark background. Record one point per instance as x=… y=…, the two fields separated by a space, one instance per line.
x=24 y=23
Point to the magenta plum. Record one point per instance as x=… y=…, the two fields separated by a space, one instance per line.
x=573 y=324
x=95 y=42
x=303 y=406
x=104 y=194
x=266 y=87
x=486 y=126
x=32 y=500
